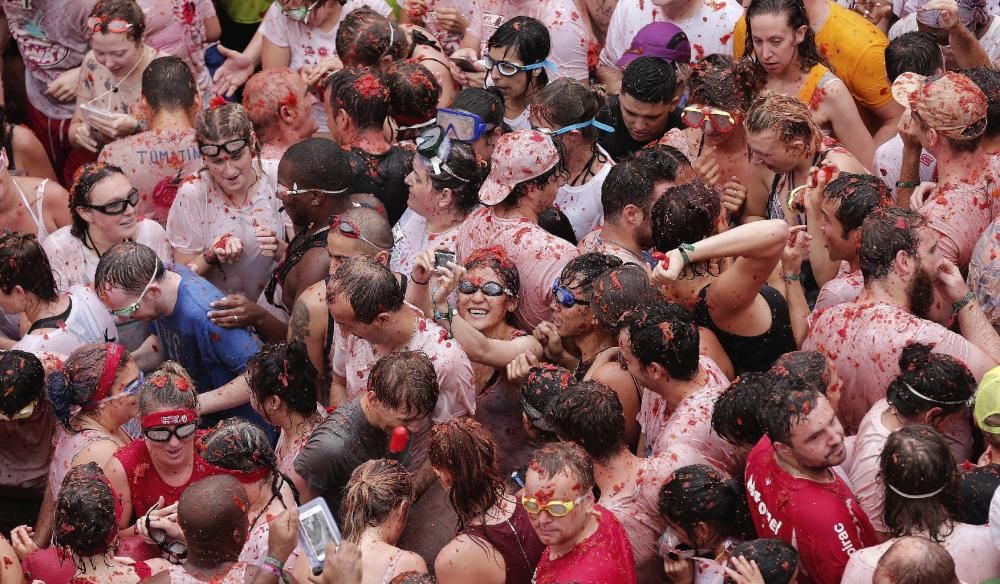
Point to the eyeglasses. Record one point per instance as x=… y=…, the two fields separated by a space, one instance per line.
x=164 y=433
x=461 y=125
x=115 y=25
x=695 y=117
x=21 y=414
x=232 y=147
x=295 y=190
x=672 y=548
x=302 y=13
x=554 y=508
x=565 y=296
x=131 y=308
x=118 y=206
x=508 y=69
x=351 y=231
x=488 y=289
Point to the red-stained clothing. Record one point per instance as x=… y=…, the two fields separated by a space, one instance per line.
x=605 y=556
x=145 y=483
x=822 y=520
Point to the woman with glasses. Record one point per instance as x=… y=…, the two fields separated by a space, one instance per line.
x=102 y=206
x=110 y=87
x=517 y=59
x=782 y=57
x=226 y=223
x=495 y=541
x=486 y=290
x=475 y=117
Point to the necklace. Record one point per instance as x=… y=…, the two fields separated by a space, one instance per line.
x=142 y=57
x=584 y=366
x=624 y=248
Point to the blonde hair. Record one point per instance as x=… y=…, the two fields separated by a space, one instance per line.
x=786 y=115
x=375 y=489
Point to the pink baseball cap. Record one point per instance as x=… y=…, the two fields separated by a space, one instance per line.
x=950 y=103
x=519 y=156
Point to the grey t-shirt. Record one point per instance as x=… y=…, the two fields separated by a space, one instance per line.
x=343 y=442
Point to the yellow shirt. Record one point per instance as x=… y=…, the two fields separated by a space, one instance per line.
x=855 y=50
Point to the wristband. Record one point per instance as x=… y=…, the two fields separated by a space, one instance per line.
x=792 y=277
x=418 y=282
x=684 y=248
x=963 y=302
x=273 y=561
x=447 y=315
x=907 y=184
x=270 y=569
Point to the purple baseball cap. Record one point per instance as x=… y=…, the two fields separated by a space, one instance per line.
x=663 y=40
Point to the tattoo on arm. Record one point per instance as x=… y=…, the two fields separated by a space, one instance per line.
x=298 y=326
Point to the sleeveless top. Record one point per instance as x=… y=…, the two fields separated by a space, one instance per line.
x=817 y=77
x=145 y=483
x=68 y=446
x=36 y=214
x=515 y=540
x=297 y=250
x=387 y=577
x=236 y=574
x=498 y=409
x=759 y=352
x=774 y=208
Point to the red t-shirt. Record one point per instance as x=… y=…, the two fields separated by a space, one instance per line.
x=146 y=484
x=822 y=520
x=605 y=556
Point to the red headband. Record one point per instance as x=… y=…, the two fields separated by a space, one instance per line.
x=109 y=373
x=169 y=418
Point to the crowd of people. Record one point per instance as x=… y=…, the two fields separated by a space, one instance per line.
x=563 y=291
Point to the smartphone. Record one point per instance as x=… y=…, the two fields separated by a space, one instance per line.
x=443 y=257
x=317 y=528
x=90 y=111
x=465 y=64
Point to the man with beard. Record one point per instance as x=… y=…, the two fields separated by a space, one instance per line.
x=794 y=494
x=900 y=263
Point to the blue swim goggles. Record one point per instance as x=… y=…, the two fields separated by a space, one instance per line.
x=579 y=126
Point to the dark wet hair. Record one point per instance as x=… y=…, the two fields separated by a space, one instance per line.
x=128 y=266
x=555 y=222
x=856 y=195
x=916 y=461
x=364 y=37
x=977 y=489
x=665 y=333
x=84 y=180
x=567 y=457
x=937 y=376
x=714 y=82
x=699 y=493
x=591 y=415
x=361 y=92
x=413 y=93
x=796 y=18
x=786 y=410
x=539 y=182
x=169 y=85
x=566 y=101
x=738 y=415
x=664 y=163
x=467 y=174
x=776 y=559
x=496 y=259
x=212 y=515
x=76 y=383
x=988 y=80
x=468 y=453
x=913 y=52
x=626 y=184
x=886 y=232
x=25 y=264
x=650 y=80
x=318 y=163
x=487 y=103
x=685 y=213
x=85 y=519
x=370 y=287
x=585 y=268
x=169 y=386
x=538 y=392
x=405 y=379
x=530 y=39
x=376 y=488
x=127 y=10
x=618 y=291
x=284 y=370
x=801 y=370
x=22 y=380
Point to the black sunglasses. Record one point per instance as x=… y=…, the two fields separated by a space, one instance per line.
x=488 y=288
x=176 y=551
x=118 y=206
x=163 y=434
x=232 y=147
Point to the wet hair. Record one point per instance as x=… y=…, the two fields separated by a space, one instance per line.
x=542 y=385
x=25 y=264
x=566 y=457
x=170 y=386
x=738 y=415
x=591 y=415
x=913 y=52
x=976 y=490
x=566 y=101
x=856 y=196
x=168 y=85
x=714 y=82
x=85 y=520
x=776 y=559
x=265 y=93
x=618 y=291
x=127 y=10
x=555 y=222
x=467 y=453
x=539 y=182
x=376 y=488
x=76 y=383
x=405 y=379
x=370 y=287
x=685 y=213
x=796 y=18
x=413 y=577
x=487 y=103
x=665 y=333
x=650 y=80
x=916 y=461
x=22 y=380
x=884 y=233
x=699 y=493
x=221 y=123
x=917 y=560
x=84 y=180
x=466 y=176
x=665 y=163
x=413 y=93
x=787 y=410
x=627 y=183
x=373 y=225
x=318 y=163
x=284 y=370
x=940 y=377
x=364 y=37
x=530 y=39
x=496 y=259
x=801 y=370
x=784 y=114
x=988 y=81
x=212 y=515
x=361 y=92
x=128 y=266
x=584 y=269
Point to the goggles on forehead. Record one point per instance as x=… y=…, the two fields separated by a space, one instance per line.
x=578 y=126
x=295 y=190
x=508 y=69
x=434 y=146
x=696 y=117
x=565 y=296
x=462 y=125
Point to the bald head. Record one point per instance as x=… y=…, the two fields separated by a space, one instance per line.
x=212 y=514
x=915 y=560
x=373 y=225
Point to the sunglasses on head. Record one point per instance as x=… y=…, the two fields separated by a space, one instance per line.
x=21 y=414
x=488 y=288
x=118 y=206
x=232 y=147
x=508 y=69
x=115 y=25
x=555 y=508
x=295 y=190
x=352 y=231
x=565 y=296
x=131 y=308
x=165 y=433
x=696 y=117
